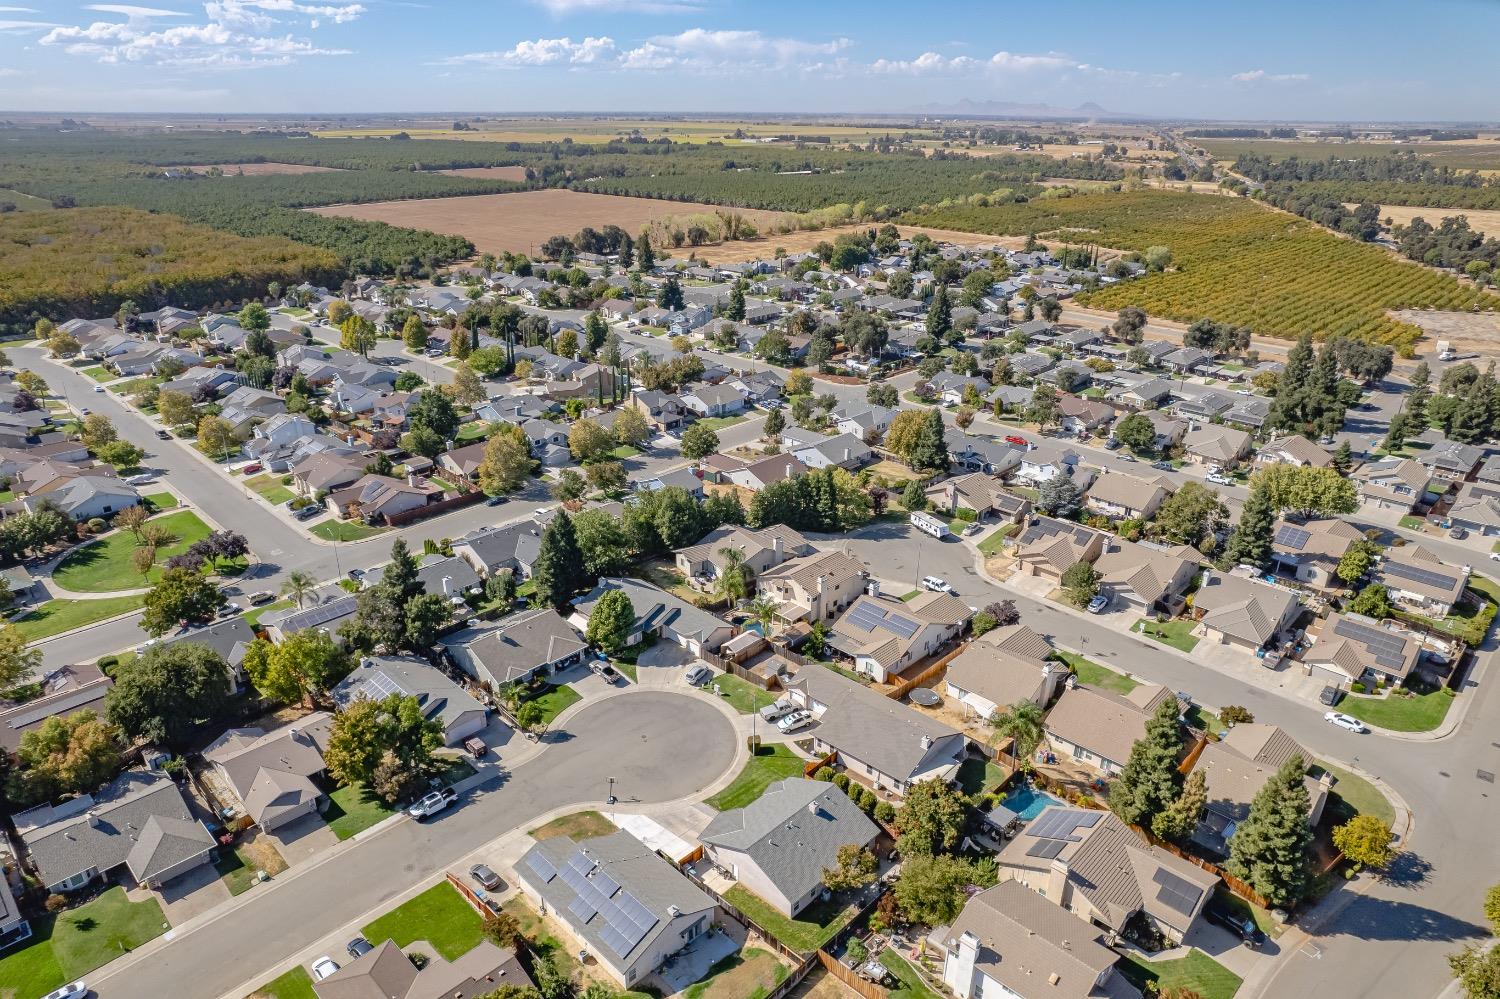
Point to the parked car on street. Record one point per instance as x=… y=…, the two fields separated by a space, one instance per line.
x=1346 y=722
x=1162 y=466
x=261 y=597
x=163 y=435
x=432 y=804
x=936 y=585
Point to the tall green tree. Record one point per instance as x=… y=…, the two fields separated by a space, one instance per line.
x=1189 y=514
x=940 y=314
x=1151 y=781
x=1178 y=820
x=302 y=667
x=165 y=693
x=611 y=622
x=1250 y=542
x=1023 y=723
x=180 y=595
x=1269 y=850
x=930 y=818
x=365 y=731
x=930 y=448
x=558 y=571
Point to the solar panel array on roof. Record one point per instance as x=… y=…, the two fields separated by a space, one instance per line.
x=903 y=626
x=1388 y=650
x=1292 y=537
x=541 y=867
x=383 y=685
x=1063 y=824
x=867 y=616
x=1046 y=849
x=321 y=614
x=1175 y=893
x=1416 y=574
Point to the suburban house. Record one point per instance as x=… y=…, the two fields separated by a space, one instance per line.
x=1476 y=508
x=1122 y=496
x=139 y=825
x=1044 y=460
x=1449 y=461
x=448 y=576
x=984 y=494
x=680 y=478
x=1098 y=727
x=630 y=908
x=884 y=636
x=713 y=400
x=881 y=741
x=463 y=461
x=1293 y=450
x=326 y=471
x=373 y=497
x=1011 y=942
x=779 y=845
x=1098 y=868
x=1003 y=667
x=1050 y=547
x=84 y=494
x=1419 y=581
x=980 y=454
x=495 y=549
x=441 y=699
x=846 y=451
x=1148 y=394
x=1222 y=447
x=1237 y=610
x=662 y=411
x=813 y=587
x=1393 y=484
x=1078 y=415
x=760 y=551
x=861 y=420
x=71 y=689
x=1309 y=551
x=1352 y=648
x=659 y=613
x=1236 y=768
x=386 y=973
x=767 y=471
x=326 y=617
x=1169 y=430
x=520 y=646
x=1146 y=576
x=1249 y=412
x=272 y=772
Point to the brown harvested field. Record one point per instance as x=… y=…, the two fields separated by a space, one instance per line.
x=801 y=242
x=1477 y=332
x=516 y=173
x=264 y=169
x=1480 y=220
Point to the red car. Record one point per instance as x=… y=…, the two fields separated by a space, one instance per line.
x=1017 y=441
x=251 y=468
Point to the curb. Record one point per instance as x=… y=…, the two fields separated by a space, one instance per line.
x=86 y=627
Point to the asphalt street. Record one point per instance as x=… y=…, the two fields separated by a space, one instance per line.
x=659 y=746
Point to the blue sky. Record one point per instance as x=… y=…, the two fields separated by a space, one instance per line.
x=1313 y=59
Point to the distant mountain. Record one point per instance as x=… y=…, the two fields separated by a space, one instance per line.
x=1017 y=109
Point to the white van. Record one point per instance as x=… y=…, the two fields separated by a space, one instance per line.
x=928 y=524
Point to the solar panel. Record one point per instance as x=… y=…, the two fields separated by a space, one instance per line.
x=867 y=616
x=582 y=863
x=541 y=867
x=607 y=885
x=1046 y=849
x=1292 y=537
x=1419 y=575
x=1062 y=824
x=1389 y=650
x=1175 y=893
x=617 y=941
x=383 y=685
x=904 y=627
x=582 y=908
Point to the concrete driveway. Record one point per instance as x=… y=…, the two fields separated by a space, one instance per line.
x=302 y=839
x=192 y=894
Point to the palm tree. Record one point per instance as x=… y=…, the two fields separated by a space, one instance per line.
x=763 y=612
x=1023 y=723
x=509 y=694
x=299 y=586
x=734 y=577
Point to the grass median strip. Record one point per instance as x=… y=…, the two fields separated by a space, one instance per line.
x=57 y=616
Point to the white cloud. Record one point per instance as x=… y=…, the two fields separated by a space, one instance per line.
x=18 y=10
x=703 y=50
x=542 y=52
x=933 y=63
x=563 y=7
x=132 y=12
x=236 y=34
x=19 y=26
x=1261 y=76
x=9 y=71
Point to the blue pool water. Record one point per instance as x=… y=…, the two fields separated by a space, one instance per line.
x=1028 y=802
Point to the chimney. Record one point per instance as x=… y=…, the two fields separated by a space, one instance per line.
x=846 y=455
x=873 y=587
x=822 y=581
x=94 y=819
x=1057 y=883
x=958 y=969
x=926 y=742
x=411 y=479
x=673 y=911
x=1054 y=978
x=776 y=547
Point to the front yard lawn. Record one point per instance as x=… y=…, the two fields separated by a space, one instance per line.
x=57 y=616
x=440 y=915
x=100 y=374
x=105 y=565
x=254 y=614
x=352 y=809
x=295 y=984
x=1354 y=795
x=159 y=502
x=270 y=489
x=742 y=695
x=770 y=764
x=77 y=941
x=811 y=929
x=1091 y=674
x=912 y=986
x=749 y=974
x=554 y=701
x=994 y=544
x=1176 y=633
x=343 y=530
x=237 y=866
x=1262 y=917
x=578 y=826
x=1413 y=523
x=1420 y=713
x=624 y=451
x=1196 y=973
x=720 y=422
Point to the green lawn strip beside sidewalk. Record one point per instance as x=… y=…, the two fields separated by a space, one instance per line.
x=808 y=931
x=1418 y=713
x=1197 y=972
x=100 y=374
x=105 y=565
x=57 y=616
x=352 y=809
x=743 y=696
x=440 y=915
x=295 y=984
x=73 y=943
x=1091 y=674
x=160 y=502
x=770 y=764
x=340 y=530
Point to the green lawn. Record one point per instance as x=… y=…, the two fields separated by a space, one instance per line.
x=629 y=669
x=1174 y=633
x=1421 y=713
x=769 y=765
x=6 y=495
x=811 y=929
x=975 y=775
x=270 y=489
x=57 y=616
x=99 y=374
x=719 y=422
x=352 y=810
x=474 y=430
x=912 y=986
x=342 y=530
x=78 y=941
x=624 y=451
x=295 y=984
x=1197 y=972
x=254 y=614
x=440 y=915
x=1091 y=674
x=1413 y=523
x=105 y=565
x=554 y=701
x=578 y=826
x=1358 y=794
x=742 y=695
x=159 y=502
x=909 y=597
x=994 y=544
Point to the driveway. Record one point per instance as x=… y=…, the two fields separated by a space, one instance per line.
x=302 y=839
x=662 y=665
x=192 y=894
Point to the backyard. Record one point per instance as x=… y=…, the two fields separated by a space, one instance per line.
x=770 y=764
x=73 y=943
x=440 y=915
x=975 y=775
x=811 y=929
x=912 y=986
x=1417 y=713
x=578 y=826
x=106 y=565
x=1176 y=633
x=749 y=974
x=352 y=809
x=1197 y=973
x=1091 y=674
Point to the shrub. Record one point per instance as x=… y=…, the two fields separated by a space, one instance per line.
x=841 y=781
x=286 y=480
x=1356 y=688
x=885 y=812
x=1234 y=714
x=824 y=774
x=965 y=514
x=97 y=524
x=56 y=902
x=417 y=959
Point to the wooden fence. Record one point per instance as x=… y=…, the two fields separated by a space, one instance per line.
x=1235 y=885
x=845 y=974
x=932 y=672
x=816 y=765
x=730 y=666
x=433 y=509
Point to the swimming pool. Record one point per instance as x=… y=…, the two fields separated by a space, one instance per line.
x=1028 y=802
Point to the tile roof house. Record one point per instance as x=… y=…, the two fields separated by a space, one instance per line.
x=1396 y=483
x=628 y=906
x=1235 y=775
x=882 y=741
x=272 y=773
x=1207 y=444
x=813 y=587
x=386 y=973
x=1003 y=667
x=517 y=647
x=1293 y=450
x=984 y=494
x=1146 y=575
x=493 y=549
x=328 y=470
x=659 y=613
x=442 y=699
x=705 y=561
x=1419 y=581
x=1352 y=648
x=1009 y=941
x=884 y=636
x=1050 y=547
x=139 y=822
x=1236 y=610
x=779 y=845
x=1098 y=727
x=1309 y=551
x=1098 y=868
x=1121 y=495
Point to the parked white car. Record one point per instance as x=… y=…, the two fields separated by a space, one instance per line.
x=795 y=721
x=432 y=803
x=936 y=585
x=323 y=967
x=699 y=675
x=76 y=990
x=1346 y=722
x=1097 y=605
x=1220 y=479
x=777 y=711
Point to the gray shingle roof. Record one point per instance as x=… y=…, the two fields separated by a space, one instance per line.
x=516 y=646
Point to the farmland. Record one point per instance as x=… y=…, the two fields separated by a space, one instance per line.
x=1236 y=262
x=1469 y=154
x=261 y=169
x=1486 y=222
